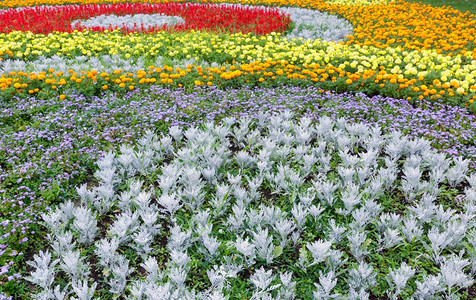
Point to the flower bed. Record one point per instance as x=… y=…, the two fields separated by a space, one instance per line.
x=69 y=97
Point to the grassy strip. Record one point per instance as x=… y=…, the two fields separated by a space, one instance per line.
x=462 y=5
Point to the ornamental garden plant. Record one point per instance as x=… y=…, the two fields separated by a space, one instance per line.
x=244 y=150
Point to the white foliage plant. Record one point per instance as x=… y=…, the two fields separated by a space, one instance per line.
x=270 y=203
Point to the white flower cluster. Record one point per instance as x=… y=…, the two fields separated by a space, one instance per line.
x=314 y=25
x=106 y=63
x=129 y=21
x=236 y=197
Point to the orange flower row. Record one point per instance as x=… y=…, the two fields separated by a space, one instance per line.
x=270 y=73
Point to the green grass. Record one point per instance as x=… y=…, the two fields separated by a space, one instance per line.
x=462 y=5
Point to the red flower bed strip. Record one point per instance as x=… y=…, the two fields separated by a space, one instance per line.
x=46 y=19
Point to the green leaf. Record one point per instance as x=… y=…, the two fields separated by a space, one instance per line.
x=106 y=272
x=303 y=252
x=277 y=251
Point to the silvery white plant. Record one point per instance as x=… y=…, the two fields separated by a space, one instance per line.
x=158 y=292
x=425 y=209
x=137 y=290
x=316 y=211
x=85 y=225
x=411 y=230
x=262 y=280
x=62 y=243
x=271 y=214
x=142 y=200
x=373 y=208
x=362 y=278
x=363 y=173
x=236 y=221
x=120 y=271
x=211 y=244
x=357 y=247
x=388 y=175
x=150 y=216
x=335 y=232
x=456 y=174
x=411 y=182
x=334 y=261
x=388 y=220
x=244 y=159
x=457 y=228
x=142 y=241
x=73 y=264
x=361 y=217
x=287 y=288
x=429 y=287
x=178 y=239
x=264 y=245
x=67 y=209
x=471 y=236
x=349 y=161
x=438 y=241
x=126 y=161
x=220 y=201
x=83 y=291
x=471 y=179
x=350 y=197
x=325 y=190
x=250 y=141
x=218 y=277
x=197 y=174
x=152 y=268
x=54 y=220
x=178 y=275
x=129 y=21
x=320 y=250
x=284 y=227
x=300 y=213
x=398 y=278
x=391 y=238
x=374 y=187
x=241 y=196
x=326 y=284
x=358 y=295
x=193 y=195
x=170 y=203
x=57 y=293
x=44 y=273
x=453 y=274
x=168 y=180
x=106 y=250
x=126 y=223
x=247 y=249
x=442 y=215
x=254 y=217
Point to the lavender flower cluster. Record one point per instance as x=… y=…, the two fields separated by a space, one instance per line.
x=268 y=182
x=54 y=142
